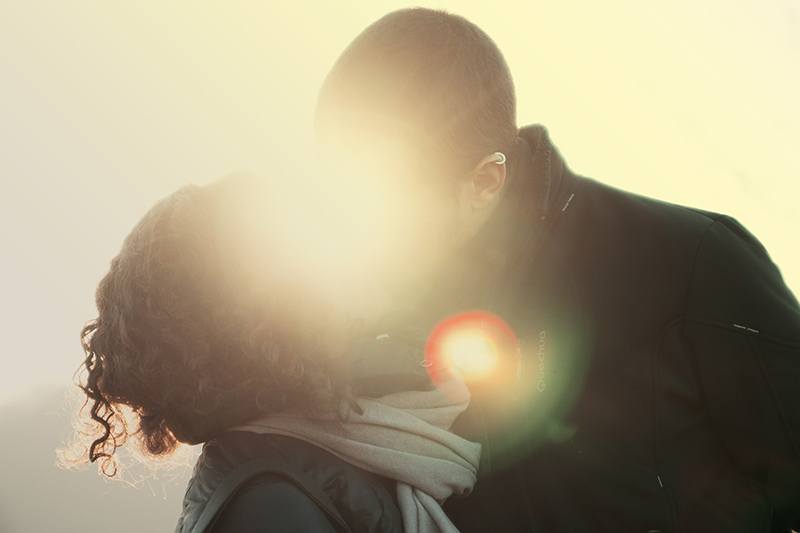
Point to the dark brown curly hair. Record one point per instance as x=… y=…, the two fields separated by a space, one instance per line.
x=199 y=328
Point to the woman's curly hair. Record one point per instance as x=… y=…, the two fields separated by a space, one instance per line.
x=199 y=329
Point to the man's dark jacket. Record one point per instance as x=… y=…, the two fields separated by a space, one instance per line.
x=657 y=388
x=660 y=364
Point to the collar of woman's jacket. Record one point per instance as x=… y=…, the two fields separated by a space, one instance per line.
x=389 y=358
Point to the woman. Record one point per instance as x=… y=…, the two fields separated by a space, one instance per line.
x=214 y=327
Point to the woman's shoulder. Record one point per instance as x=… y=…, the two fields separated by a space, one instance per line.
x=255 y=475
x=274 y=500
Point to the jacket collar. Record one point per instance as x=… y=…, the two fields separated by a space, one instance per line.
x=539 y=185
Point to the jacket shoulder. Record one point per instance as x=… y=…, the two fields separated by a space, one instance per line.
x=653 y=212
x=625 y=249
x=274 y=501
x=697 y=263
x=657 y=240
x=287 y=468
x=727 y=262
x=735 y=283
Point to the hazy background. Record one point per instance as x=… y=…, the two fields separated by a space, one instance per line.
x=105 y=106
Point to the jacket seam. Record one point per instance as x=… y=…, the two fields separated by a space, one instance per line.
x=773 y=396
x=693 y=269
x=657 y=457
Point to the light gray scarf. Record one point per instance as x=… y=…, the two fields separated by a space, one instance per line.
x=402 y=436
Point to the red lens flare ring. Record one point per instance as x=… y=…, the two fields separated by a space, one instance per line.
x=478 y=345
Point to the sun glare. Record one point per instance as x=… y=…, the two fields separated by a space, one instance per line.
x=477 y=345
x=471 y=353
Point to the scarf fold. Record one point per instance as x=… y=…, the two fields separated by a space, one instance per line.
x=402 y=436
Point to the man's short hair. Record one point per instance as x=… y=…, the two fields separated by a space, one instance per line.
x=428 y=77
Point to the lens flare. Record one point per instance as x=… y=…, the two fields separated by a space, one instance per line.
x=472 y=353
x=478 y=345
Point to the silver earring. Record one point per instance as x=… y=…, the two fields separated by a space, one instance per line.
x=499 y=158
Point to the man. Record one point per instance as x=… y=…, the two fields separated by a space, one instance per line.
x=660 y=347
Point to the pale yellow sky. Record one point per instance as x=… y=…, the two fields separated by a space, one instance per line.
x=107 y=106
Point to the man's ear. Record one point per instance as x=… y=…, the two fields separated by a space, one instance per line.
x=488 y=180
